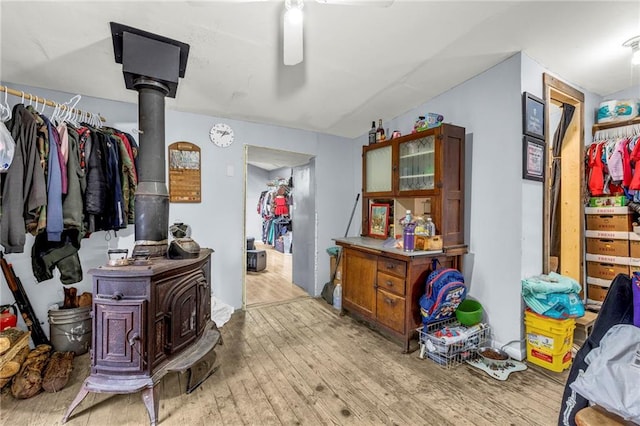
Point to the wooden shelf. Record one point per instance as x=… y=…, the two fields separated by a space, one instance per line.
x=614 y=124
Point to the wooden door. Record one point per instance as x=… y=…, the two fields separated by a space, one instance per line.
x=359 y=281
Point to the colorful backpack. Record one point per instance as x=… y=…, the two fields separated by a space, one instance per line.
x=444 y=291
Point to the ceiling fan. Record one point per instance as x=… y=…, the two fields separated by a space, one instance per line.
x=292 y=29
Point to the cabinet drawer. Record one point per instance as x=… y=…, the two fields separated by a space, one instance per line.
x=392 y=266
x=118 y=289
x=390 y=283
x=390 y=310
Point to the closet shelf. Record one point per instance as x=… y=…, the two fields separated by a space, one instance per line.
x=614 y=124
x=431 y=151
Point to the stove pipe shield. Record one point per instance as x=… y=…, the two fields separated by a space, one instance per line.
x=151 y=65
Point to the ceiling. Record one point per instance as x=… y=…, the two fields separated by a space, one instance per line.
x=360 y=62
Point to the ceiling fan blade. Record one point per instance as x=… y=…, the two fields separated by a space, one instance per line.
x=375 y=3
x=292 y=39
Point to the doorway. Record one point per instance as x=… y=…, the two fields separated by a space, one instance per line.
x=280 y=224
x=564 y=180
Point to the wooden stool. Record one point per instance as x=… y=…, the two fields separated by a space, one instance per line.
x=584 y=325
x=598 y=416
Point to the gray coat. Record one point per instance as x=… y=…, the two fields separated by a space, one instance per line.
x=24 y=189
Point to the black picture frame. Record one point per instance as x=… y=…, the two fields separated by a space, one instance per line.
x=533 y=158
x=533 y=116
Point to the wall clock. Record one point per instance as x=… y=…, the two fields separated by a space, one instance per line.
x=221 y=134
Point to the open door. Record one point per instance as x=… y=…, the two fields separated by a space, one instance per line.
x=564 y=180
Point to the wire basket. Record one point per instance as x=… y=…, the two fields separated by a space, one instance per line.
x=449 y=343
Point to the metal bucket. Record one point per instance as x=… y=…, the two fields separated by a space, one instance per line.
x=70 y=329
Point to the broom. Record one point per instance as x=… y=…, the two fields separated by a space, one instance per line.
x=327 y=290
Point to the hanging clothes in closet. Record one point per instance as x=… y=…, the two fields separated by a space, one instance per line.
x=611 y=163
x=273 y=206
x=66 y=180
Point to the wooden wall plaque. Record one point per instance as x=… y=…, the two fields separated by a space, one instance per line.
x=184 y=173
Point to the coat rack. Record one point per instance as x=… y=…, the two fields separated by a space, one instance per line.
x=43 y=101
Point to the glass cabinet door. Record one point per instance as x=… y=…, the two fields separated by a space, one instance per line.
x=417 y=162
x=378 y=173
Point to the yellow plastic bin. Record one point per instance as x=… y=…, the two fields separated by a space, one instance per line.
x=549 y=341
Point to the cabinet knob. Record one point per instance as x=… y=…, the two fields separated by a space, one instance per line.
x=390 y=266
x=117 y=296
x=389 y=301
x=390 y=283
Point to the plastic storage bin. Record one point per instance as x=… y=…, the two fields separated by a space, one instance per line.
x=549 y=341
x=256 y=260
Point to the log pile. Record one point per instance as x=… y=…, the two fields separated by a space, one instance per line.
x=31 y=371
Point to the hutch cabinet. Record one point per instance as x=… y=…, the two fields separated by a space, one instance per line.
x=382 y=286
x=422 y=172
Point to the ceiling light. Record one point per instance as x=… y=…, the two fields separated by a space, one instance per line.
x=292 y=32
x=634 y=44
x=293 y=14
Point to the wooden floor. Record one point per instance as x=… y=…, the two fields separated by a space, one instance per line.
x=300 y=363
x=275 y=283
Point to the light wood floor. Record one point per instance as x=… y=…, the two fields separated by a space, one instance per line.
x=275 y=283
x=300 y=363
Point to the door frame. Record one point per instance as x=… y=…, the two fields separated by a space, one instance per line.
x=556 y=91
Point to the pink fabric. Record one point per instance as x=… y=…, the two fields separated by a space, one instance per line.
x=64 y=141
x=616 y=169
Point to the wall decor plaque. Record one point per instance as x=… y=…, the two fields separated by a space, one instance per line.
x=184 y=173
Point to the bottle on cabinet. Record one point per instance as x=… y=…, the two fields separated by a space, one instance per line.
x=430 y=227
x=373 y=133
x=380 y=132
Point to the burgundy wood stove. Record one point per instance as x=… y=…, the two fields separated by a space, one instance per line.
x=151 y=318
x=149 y=321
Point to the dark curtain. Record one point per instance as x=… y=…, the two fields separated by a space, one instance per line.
x=556 y=168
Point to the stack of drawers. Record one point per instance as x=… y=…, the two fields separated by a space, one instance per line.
x=390 y=295
x=612 y=248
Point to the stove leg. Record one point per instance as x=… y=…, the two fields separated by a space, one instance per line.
x=150 y=399
x=78 y=399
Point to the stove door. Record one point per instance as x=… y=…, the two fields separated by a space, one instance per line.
x=119 y=336
x=182 y=318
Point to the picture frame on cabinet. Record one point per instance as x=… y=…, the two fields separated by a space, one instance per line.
x=379 y=220
x=533 y=116
x=533 y=159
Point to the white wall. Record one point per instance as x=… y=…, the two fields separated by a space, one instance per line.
x=218 y=221
x=257 y=179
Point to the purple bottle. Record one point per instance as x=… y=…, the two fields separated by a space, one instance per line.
x=408 y=235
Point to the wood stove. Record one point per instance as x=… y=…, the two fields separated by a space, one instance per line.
x=148 y=321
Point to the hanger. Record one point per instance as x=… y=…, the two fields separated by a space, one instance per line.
x=5 y=110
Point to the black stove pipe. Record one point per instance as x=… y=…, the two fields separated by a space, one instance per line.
x=152 y=196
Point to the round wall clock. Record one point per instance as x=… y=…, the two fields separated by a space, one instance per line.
x=221 y=134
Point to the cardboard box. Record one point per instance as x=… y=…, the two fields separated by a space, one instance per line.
x=606 y=271
x=610 y=222
x=614 y=201
x=609 y=247
x=634 y=265
x=596 y=293
x=634 y=249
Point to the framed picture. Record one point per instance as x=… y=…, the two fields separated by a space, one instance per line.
x=378 y=220
x=533 y=159
x=532 y=116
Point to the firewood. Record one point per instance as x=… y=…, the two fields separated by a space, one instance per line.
x=7 y=337
x=57 y=373
x=85 y=299
x=12 y=367
x=16 y=347
x=28 y=382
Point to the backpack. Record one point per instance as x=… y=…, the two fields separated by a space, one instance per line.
x=444 y=291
